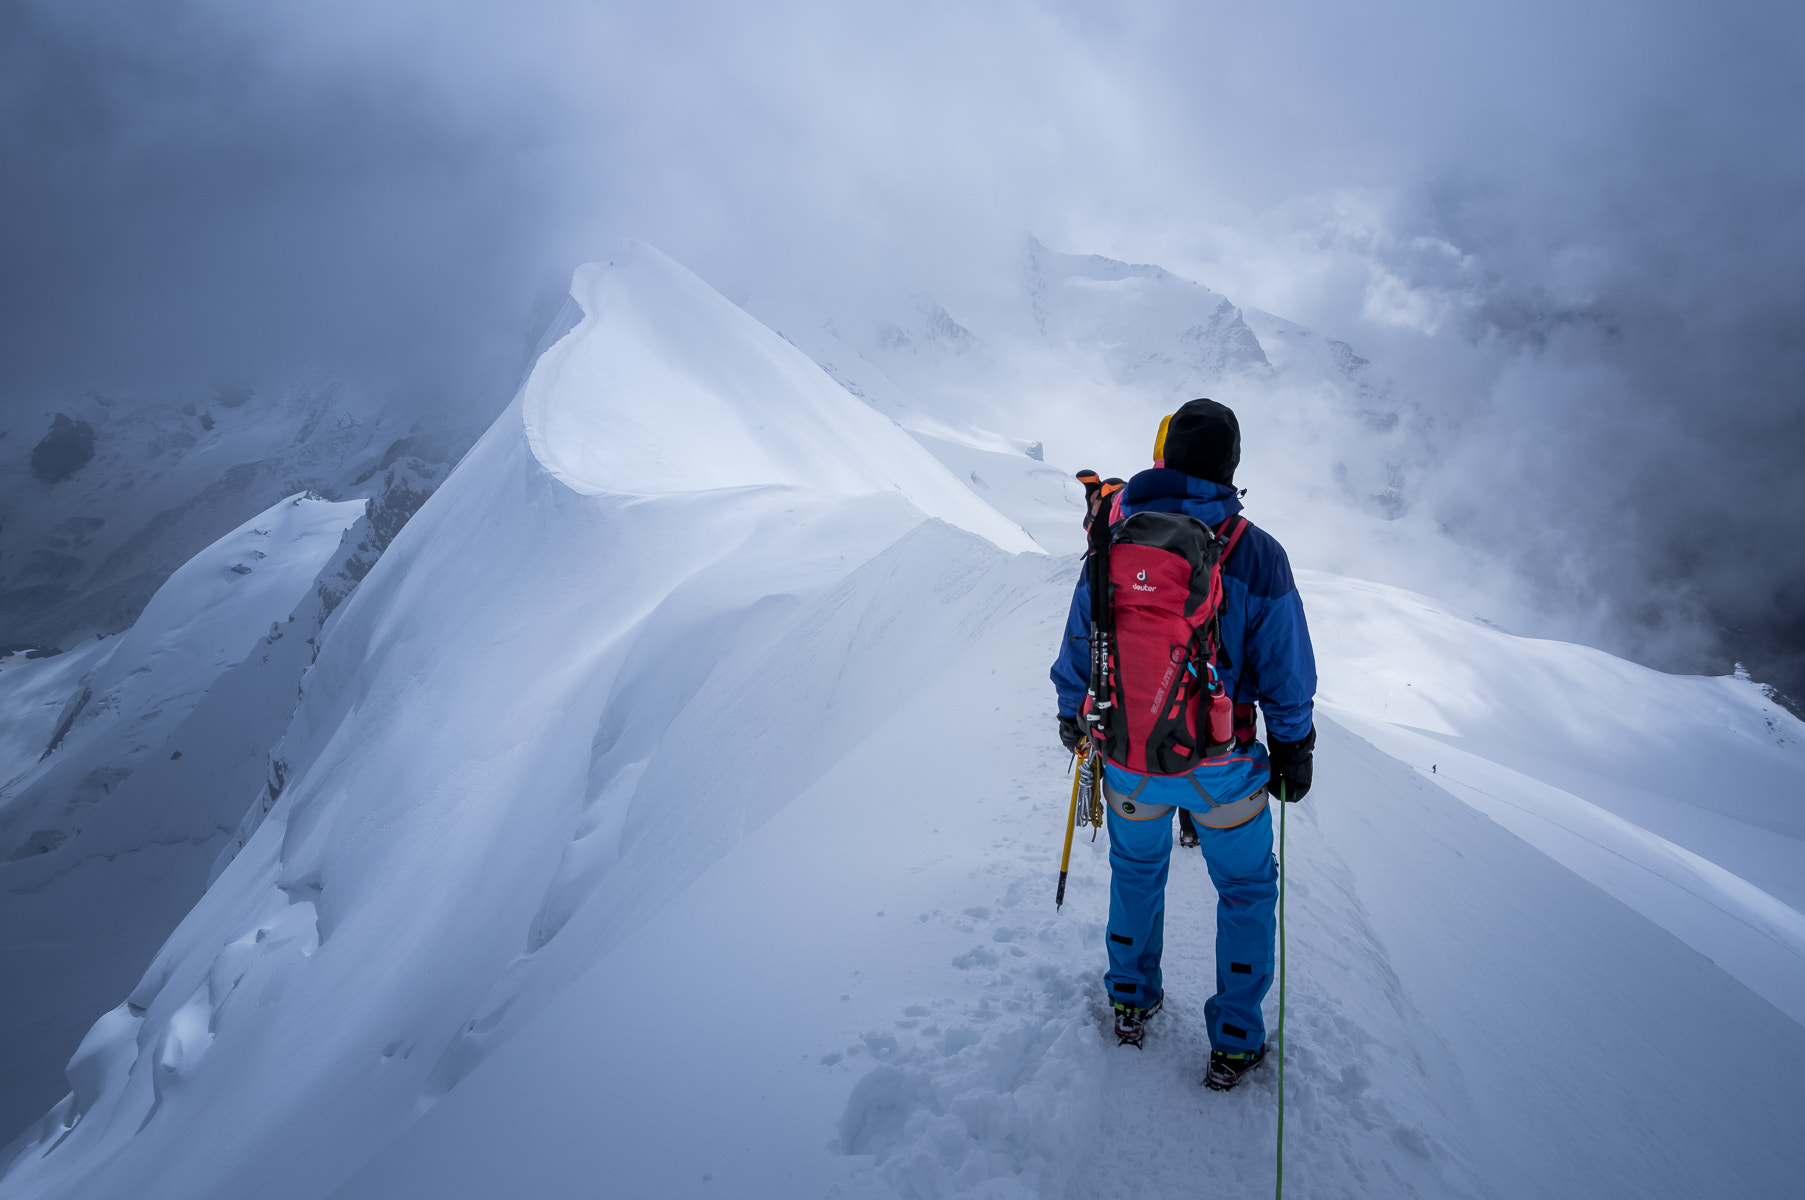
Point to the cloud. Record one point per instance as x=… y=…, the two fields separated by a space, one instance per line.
x=1576 y=232
x=184 y=203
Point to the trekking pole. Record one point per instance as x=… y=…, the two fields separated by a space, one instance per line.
x=1065 y=860
x=1278 y=1188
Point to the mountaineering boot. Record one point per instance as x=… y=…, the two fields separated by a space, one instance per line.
x=1131 y=1022
x=1227 y=1068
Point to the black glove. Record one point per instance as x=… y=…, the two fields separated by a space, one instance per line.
x=1291 y=764
x=1071 y=734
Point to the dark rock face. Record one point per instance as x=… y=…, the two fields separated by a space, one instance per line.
x=409 y=483
x=65 y=450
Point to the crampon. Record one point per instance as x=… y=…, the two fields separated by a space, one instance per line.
x=1226 y=1069
x=1131 y=1022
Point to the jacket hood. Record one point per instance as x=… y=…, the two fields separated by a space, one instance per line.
x=1162 y=489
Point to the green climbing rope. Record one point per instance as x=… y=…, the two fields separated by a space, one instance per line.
x=1278 y=1187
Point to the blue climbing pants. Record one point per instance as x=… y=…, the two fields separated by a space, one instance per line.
x=1247 y=886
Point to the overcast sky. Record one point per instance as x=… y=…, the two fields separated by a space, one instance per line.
x=1575 y=230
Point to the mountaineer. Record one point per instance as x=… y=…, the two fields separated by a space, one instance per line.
x=1161 y=683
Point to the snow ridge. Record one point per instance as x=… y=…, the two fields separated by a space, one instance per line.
x=668 y=387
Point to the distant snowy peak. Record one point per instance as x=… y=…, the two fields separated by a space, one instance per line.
x=667 y=387
x=1147 y=320
x=1139 y=329
x=120 y=491
x=929 y=327
x=207 y=617
x=1297 y=350
x=200 y=618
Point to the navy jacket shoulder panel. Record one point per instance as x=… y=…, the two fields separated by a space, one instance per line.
x=1261 y=564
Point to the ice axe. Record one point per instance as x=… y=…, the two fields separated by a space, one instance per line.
x=1065 y=859
x=1084 y=783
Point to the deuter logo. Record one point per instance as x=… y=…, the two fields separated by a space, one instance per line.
x=1141 y=575
x=1143 y=585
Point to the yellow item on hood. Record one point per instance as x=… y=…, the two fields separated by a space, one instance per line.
x=1159 y=441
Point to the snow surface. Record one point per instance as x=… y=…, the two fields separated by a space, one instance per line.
x=107 y=840
x=882 y=963
x=37 y=691
x=170 y=476
x=674 y=810
x=1679 y=796
x=1008 y=474
x=667 y=387
x=206 y=618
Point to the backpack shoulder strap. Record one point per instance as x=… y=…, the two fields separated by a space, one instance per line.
x=1232 y=528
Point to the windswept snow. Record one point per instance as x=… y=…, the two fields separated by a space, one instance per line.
x=516 y=723
x=668 y=387
x=206 y=618
x=37 y=694
x=674 y=810
x=159 y=736
x=872 y=996
x=169 y=476
x=1007 y=473
x=1679 y=796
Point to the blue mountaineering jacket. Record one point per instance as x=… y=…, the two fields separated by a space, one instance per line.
x=1264 y=637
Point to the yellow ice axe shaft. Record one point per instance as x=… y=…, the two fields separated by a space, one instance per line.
x=1071 y=823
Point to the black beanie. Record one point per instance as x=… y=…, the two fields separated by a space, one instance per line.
x=1204 y=440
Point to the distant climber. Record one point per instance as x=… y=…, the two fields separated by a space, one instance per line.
x=1204 y=621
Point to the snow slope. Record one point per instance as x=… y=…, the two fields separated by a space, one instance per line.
x=205 y=618
x=107 y=839
x=37 y=691
x=1695 y=781
x=1008 y=473
x=169 y=476
x=493 y=708
x=667 y=387
x=674 y=810
x=874 y=997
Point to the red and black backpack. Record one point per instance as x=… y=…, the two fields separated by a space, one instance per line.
x=1157 y=704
